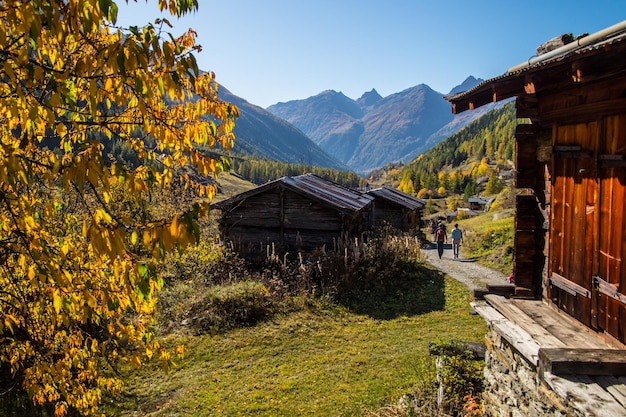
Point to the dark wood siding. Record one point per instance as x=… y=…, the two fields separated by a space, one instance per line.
x=254 y=222
x=398 y=217
x=309 y=224
x=286 y=218
x=526 y=166
x=531 y=141
x=528 y=247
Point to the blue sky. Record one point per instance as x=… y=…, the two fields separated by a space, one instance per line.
x=280 y=50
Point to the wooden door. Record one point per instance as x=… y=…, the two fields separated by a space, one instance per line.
x=587 y=228
x=573 y=220
x=610 y=275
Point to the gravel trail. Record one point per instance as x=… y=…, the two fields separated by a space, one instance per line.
x=467 y=271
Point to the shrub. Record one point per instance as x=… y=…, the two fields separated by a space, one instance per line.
x=460 y=373
x=211 y=289
x=209 y=262
x=225 y=307
x=504 y=200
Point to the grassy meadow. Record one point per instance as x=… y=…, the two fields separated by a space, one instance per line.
x=351 y=350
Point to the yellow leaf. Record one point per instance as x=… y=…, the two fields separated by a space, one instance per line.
x=102 y=216
x=61 y=130
x=135 y=360
x=57 y=301
x=174 y=232
x=32 y=272
x=9 y=321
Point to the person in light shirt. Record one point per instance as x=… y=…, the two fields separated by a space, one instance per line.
x=457 y=238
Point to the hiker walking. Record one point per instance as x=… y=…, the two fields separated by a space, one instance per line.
x=457 y=238
x=440 y=238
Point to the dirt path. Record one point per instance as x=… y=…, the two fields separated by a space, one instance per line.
x=467 y=271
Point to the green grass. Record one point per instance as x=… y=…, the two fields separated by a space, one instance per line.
x=325 y=360
x=490 y=241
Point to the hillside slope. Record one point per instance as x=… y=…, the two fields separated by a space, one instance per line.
x=490 y=136
x=259 y=133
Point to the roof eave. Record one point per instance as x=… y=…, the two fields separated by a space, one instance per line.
x=516 y=80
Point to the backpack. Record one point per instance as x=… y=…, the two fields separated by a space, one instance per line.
x=441 y=235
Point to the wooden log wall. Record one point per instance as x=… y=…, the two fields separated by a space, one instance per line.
x=302 y=213
x=531 y=223
x=288 y=219
x=398 y=217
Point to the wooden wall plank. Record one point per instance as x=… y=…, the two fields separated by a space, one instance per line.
x=612 y=227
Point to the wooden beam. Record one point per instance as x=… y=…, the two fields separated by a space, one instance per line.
x=608 y=289
x=611 y=161
x=569 y=286
x=568 y=361
x=517 y=337
x=584 y=394
x=583 y=113
x=570 y=151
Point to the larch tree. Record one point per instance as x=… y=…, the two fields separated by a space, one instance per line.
x=78 y=281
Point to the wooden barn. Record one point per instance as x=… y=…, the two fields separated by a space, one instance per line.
x=478 y=203
x=302 y=212
x=397 y=209
x=570 y=230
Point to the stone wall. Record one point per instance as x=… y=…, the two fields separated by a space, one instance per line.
x=513 y=387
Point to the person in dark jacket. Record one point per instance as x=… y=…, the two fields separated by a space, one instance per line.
x=440 y=238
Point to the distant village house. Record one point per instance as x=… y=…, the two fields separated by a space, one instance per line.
x=478 y=204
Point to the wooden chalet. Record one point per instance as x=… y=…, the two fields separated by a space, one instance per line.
x=396 y=208
x=570 y=229
x=478 y=203
x=302 y=212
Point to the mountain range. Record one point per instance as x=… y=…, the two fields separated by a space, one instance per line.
x=332 y=130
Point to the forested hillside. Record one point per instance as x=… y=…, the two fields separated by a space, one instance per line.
x=489 y=137
x=260 y=171
x=454 y=163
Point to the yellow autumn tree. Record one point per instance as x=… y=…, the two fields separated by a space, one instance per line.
x=77 y=280
x=406 y=184
x=483 y=168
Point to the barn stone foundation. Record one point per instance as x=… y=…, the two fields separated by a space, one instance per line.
x=512 y=385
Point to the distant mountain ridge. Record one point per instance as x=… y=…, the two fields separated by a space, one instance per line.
x=373 y=131
x=261 y=134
